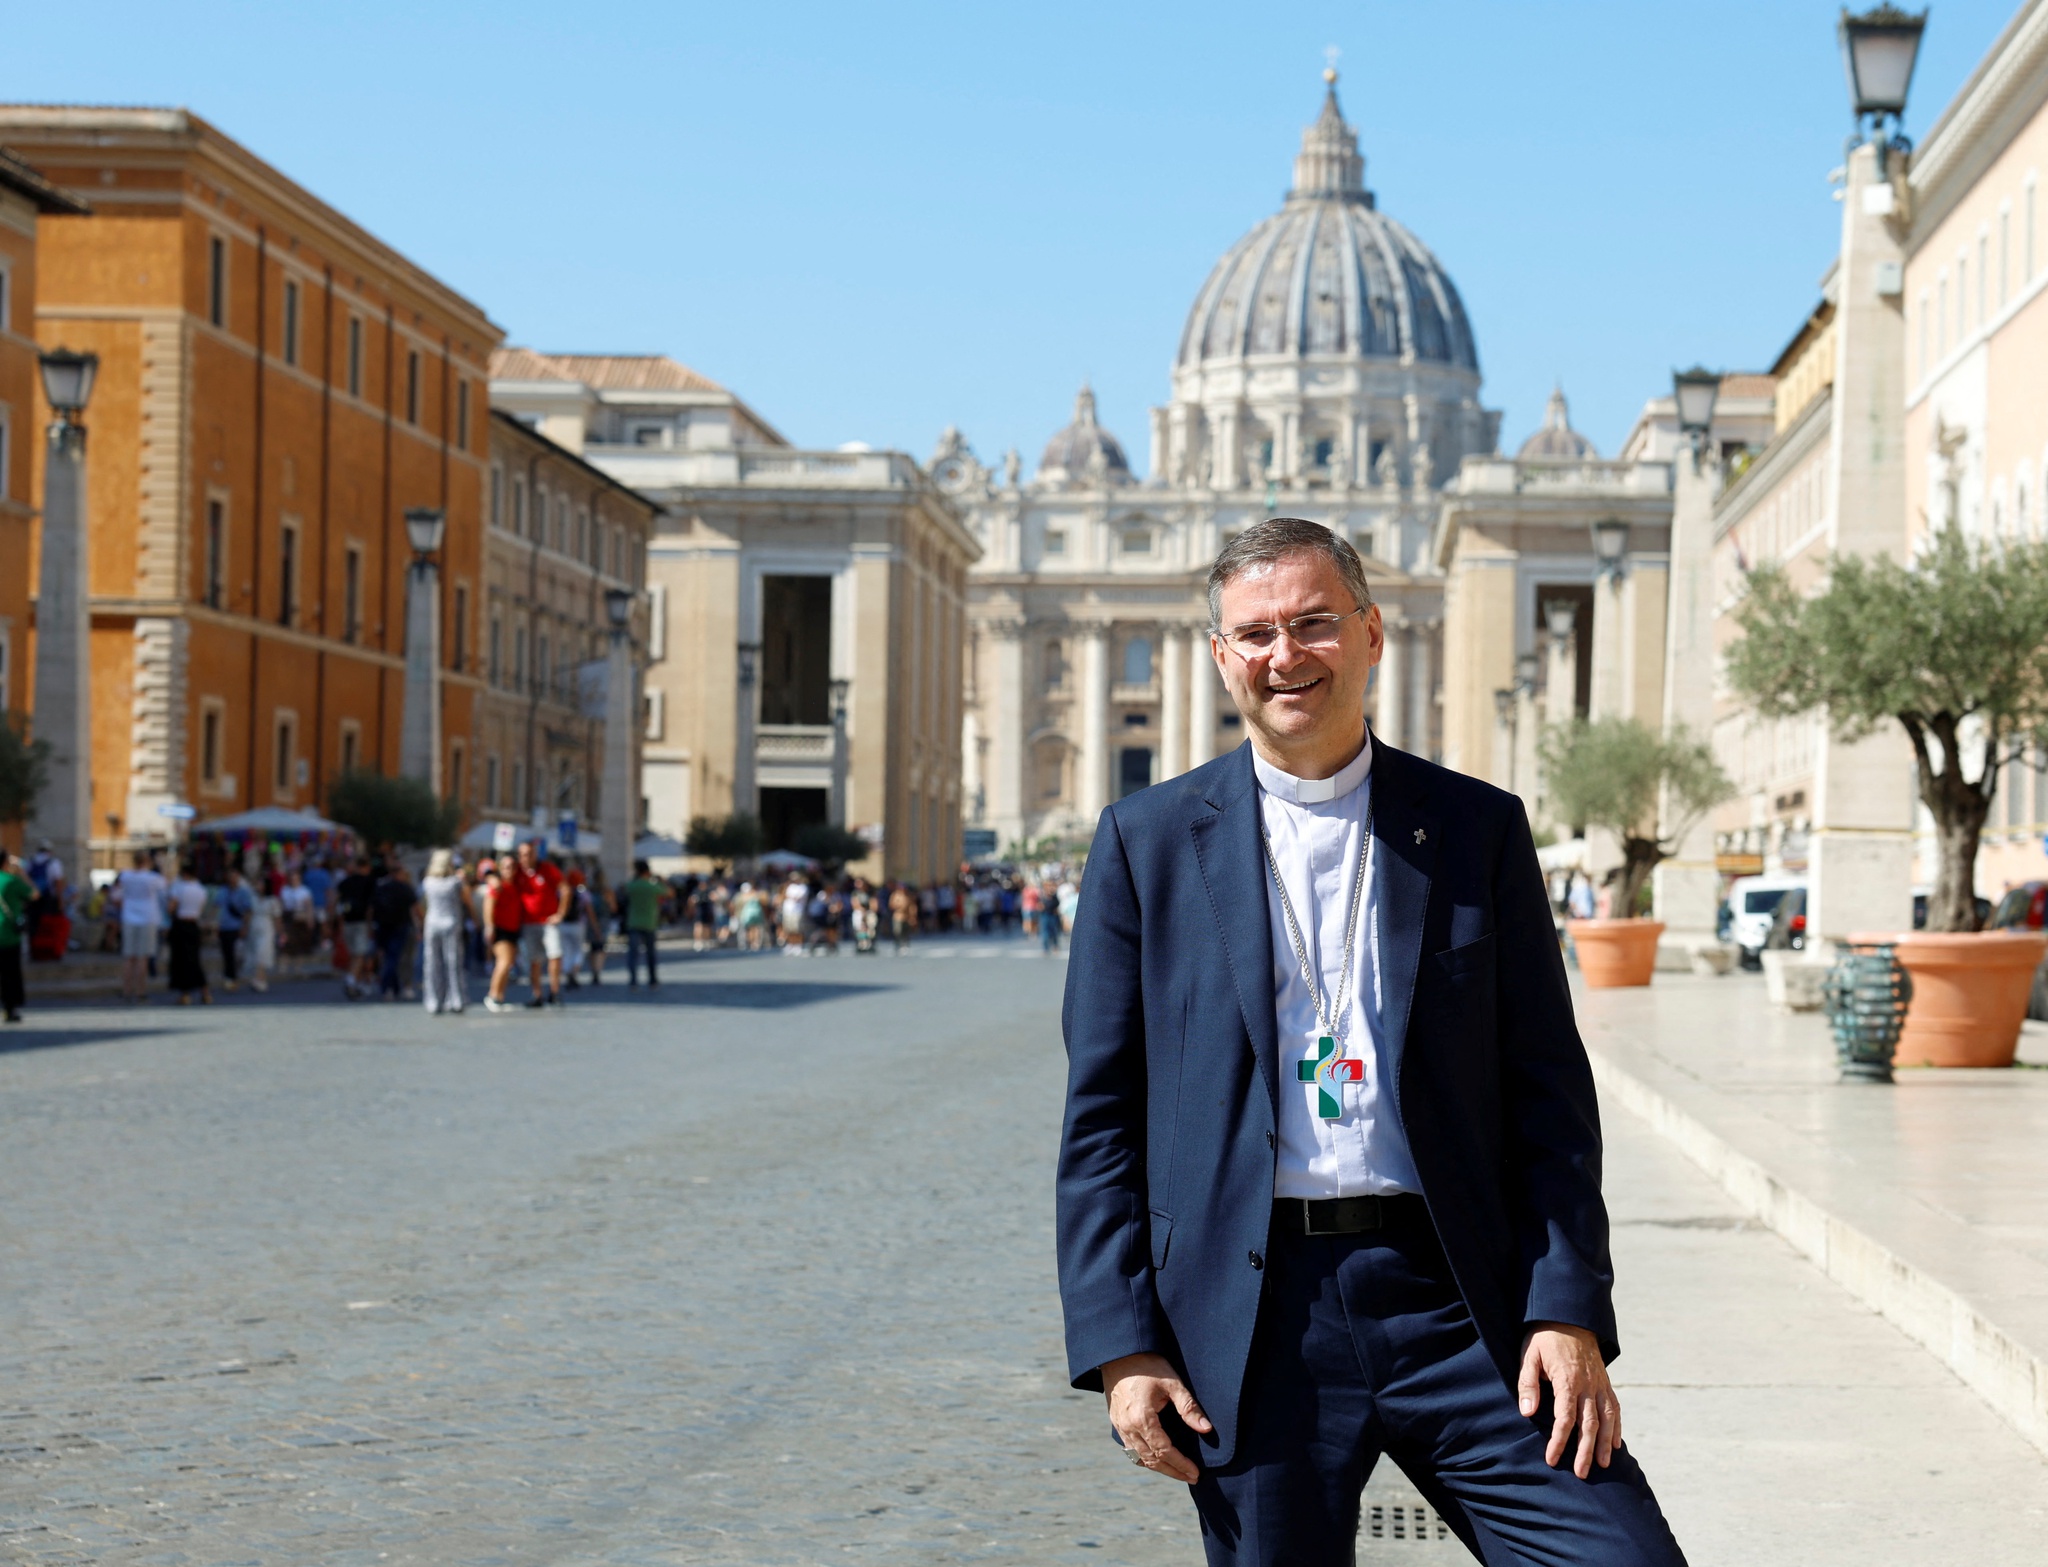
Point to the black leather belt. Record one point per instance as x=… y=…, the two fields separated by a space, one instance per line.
x=1343 y=1215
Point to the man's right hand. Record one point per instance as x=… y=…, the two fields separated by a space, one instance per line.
x=1138 y=1387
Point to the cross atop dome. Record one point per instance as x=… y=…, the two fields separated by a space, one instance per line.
x=1329 y=163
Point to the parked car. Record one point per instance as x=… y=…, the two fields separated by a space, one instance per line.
x=1922 y=894
x=2025 y=907
x=1754 y=902
x=1788 y=923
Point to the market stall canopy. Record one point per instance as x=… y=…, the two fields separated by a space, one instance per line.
x=272 y=819
x=484 y=836
x=657 y=846
x=785 y=860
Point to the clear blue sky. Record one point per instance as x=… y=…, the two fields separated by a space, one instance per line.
x=873 y=221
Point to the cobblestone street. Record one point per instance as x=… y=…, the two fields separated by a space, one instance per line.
x=756 y=1272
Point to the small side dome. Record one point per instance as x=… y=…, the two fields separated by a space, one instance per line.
x=1084 y=452
x=1557 y=439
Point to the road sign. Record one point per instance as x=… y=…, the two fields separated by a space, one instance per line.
x=505 y=837
x=177 y=810
x=565 y=832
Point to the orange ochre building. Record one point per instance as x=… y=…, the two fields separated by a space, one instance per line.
x=276 y=386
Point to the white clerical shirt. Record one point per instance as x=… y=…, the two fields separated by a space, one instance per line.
x=1316 y=827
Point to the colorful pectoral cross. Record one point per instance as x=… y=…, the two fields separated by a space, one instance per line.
x=1326 y=1069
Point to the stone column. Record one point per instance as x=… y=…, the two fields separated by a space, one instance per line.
x=1422 y=690
x=63 y=693
x=419 y=733
x=1173 y=702
x=1687 y=887
x=1860 y=852
x=1005 y=782
x=1091 y=785
x=1390 y=693
x=615 y=820
x=746 y=798
x=1223 y=473
x=1203 y=685
x=1561 y=678
x=1608 y=698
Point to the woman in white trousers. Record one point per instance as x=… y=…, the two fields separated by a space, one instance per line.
x=441 y=933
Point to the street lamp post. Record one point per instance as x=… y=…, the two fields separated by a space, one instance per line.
x=63 y=692
x=1879 y=50
x=616 y=818
x=419 y=734
x=840 y=688
x=1695 y=391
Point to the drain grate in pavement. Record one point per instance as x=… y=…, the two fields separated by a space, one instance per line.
x=1395 y=1524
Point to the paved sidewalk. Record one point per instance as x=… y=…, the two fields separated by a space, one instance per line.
x=1925 y=1199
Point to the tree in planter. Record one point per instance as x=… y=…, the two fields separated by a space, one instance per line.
x=1953 y=648
x=378 y=809
x=722 y=840
x=24 y=770
x=1609 y=772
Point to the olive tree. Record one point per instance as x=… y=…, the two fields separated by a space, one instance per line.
x=24 y=770
x=1611 y=772
x=383 y=810
x=1953 y=648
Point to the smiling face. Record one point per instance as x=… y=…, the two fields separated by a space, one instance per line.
x=1305 y=710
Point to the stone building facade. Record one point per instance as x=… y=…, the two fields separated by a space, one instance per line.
x=558 y=535
x=276 y=387
x=1326 y=370
x=807 y=610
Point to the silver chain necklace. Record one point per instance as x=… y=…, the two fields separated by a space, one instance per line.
x=1330 y=1020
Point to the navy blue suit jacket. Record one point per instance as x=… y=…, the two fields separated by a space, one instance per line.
x=1167 y=1154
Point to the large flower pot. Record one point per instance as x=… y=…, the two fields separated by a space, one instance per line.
x=1969 y=994
x=1613 y=953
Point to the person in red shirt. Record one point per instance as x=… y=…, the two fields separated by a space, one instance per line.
x=541 y=904
x=503 y=918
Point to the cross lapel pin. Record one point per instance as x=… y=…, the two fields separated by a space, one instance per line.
x=1420 y=835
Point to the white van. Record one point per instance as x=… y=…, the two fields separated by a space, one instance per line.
x=1752 y=901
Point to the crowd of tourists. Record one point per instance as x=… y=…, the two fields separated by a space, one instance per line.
x=808 y=911
x=516 y=929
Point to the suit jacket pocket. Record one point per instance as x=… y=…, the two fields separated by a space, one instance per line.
x=1472 y=957
x=1162 y=1238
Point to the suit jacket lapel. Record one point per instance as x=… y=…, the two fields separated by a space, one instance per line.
x=1228 y=847
x=1406 y=833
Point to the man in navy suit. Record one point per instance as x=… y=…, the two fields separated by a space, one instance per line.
x=1329 y=1181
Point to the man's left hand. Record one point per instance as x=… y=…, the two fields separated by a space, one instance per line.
x=1568 y=1358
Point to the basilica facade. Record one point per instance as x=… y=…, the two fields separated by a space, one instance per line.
x=1327 y=370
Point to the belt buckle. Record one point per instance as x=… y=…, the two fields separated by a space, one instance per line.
x=1308 y=1218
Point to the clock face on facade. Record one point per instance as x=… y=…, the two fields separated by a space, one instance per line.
x=952 y=475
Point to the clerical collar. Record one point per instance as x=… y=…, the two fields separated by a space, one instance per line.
x=1314 y=791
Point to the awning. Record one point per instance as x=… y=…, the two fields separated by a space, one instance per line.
x=270 y=820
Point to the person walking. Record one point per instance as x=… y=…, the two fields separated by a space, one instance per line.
x=266 y=919
x=750 y=913
x=902 y=916
x=446 y=902
x=1378 y=1223
x=642 y=898
x=236 y=904
x=504 y=919
x=1048 y=919
x=187 y=940
x=394 y=913
x=353 y=895
x=140 y=890
x=542 y=909
x=17 y=895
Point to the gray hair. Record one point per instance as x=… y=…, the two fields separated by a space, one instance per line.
x=1269 y=542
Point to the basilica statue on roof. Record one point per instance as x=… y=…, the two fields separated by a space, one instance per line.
x=1327 y=370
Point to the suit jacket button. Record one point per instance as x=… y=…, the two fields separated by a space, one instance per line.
x=1258 y=1262
x=1271 y=1141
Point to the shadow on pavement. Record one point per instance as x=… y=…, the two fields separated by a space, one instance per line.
x=17 y=1040
x=761 y=995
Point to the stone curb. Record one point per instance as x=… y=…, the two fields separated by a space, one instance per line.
x=2006 y=1374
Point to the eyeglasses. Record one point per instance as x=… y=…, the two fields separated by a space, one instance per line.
x=1307 y=631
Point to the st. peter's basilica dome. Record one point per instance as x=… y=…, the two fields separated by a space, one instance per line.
x=1329 y=275
x=1084 y=452
x=1557 y=440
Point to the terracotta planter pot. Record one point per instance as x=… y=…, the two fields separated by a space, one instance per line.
x=1613 y=953
x=1969 y=994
